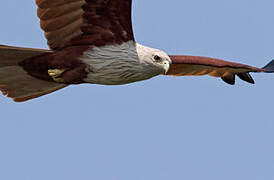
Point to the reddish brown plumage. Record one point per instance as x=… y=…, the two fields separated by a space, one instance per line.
x=197 y=66
x=207 y=61
x=85 y=22
x=15 y=82
x=67 y=59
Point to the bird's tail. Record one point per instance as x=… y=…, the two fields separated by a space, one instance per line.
x=17 y=83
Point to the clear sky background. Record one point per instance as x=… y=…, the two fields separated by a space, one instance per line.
x=165 y=128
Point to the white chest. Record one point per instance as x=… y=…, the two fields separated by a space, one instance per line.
x=116 y=65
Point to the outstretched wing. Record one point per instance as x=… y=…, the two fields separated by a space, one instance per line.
x=198 y=66
x=85 y=22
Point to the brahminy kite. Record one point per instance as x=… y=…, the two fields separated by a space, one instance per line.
x=92 y=41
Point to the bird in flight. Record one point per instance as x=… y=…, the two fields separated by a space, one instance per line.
x=92 y=41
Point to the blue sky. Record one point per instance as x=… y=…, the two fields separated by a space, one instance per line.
x=165 y=128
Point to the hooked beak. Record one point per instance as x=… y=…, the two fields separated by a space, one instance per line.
x=166 y=66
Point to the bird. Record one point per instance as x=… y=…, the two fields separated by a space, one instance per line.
x=92 y=41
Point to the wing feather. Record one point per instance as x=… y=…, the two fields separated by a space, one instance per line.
x=85 y=22
x=198 y=66
x=50 y=3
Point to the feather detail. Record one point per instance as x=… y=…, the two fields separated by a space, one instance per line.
x=85 y=22
x=198 y=66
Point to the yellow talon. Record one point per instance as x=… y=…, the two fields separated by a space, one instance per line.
x=55 y=75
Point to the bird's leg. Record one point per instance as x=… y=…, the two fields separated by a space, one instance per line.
x=56 y=74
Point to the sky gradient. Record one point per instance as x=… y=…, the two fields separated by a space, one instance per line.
x=165 y=128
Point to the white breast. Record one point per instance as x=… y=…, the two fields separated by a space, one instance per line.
x=116 y=65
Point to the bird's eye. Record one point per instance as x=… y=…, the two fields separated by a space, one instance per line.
x=157 y=58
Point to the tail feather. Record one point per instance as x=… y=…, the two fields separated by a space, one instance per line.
x=17 y=83
x=10 y=56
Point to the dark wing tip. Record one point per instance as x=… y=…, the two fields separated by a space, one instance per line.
x=246 y=77
x=269 y=68
x=229 y=79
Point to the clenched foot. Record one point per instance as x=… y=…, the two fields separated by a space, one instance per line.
x=55 y=74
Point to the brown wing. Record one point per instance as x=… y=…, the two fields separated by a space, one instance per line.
x=198 y=66
x=85 y=22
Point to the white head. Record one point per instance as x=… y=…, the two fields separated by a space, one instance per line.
x=154 y=57
x=125 y=63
